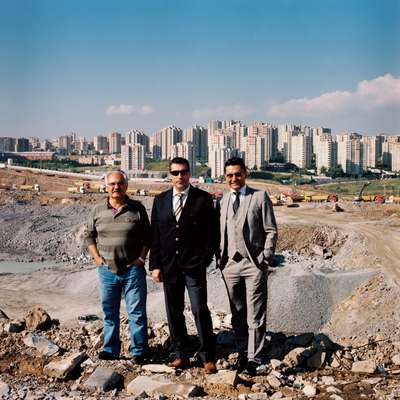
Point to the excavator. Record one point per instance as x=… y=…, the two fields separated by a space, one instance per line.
x=359 y=197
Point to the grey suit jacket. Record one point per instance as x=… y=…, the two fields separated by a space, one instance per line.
x=258 y=225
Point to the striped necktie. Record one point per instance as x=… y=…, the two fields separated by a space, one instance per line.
x=179 y=206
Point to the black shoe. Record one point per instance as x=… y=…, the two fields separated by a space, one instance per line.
x=105 y=355
x=241 y=363
x=139 y=360
x=251 y=368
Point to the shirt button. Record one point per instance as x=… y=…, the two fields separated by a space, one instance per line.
x=177 y=239
x=177 y=226
x=177 y=252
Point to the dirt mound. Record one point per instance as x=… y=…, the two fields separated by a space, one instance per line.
x=372 y=310
x=301 y=238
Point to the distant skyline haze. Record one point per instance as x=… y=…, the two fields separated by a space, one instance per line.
x=95 y=67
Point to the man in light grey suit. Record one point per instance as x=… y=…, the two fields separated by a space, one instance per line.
x=248 y=240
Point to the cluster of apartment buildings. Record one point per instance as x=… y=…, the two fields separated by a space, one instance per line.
x=259 y=144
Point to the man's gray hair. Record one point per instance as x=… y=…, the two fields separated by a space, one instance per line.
x=117 y=171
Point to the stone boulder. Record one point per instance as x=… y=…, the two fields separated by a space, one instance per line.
x=38 y=319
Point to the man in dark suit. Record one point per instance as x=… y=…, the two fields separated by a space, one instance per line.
x=184 y=240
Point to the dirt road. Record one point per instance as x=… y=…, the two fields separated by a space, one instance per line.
x=382 y=235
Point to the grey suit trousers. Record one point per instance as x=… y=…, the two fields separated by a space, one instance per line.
x=247 y=290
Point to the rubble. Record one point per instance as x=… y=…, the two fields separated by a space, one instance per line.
x=297 y=372
x=37 y=319
x=41 y=344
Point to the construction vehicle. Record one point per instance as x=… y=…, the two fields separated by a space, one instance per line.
x=379 y=199
x=394 y=199
x=294 y=196
x=359 y=197
x=26 y=187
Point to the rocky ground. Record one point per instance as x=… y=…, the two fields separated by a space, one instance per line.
x=335 y=276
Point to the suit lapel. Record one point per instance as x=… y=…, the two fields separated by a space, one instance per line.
x=168 y=206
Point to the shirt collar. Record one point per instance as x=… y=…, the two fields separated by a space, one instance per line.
x=184 y=193
x=242 y=190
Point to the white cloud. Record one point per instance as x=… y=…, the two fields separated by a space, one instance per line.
x=375 y=95
x=233 y=111
x=129 y=109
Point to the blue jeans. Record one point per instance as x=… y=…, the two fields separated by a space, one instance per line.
x=133 y=285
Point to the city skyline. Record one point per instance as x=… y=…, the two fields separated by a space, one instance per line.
x=96 y=67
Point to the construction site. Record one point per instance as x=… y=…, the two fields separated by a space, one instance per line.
x=333 y=318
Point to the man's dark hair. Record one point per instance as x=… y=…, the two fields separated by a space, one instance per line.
x=235 y=161
x=179 y=160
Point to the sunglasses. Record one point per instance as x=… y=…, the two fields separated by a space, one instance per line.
x=181 y=172
x=236 y=174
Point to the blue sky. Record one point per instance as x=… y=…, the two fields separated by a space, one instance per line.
x=93 y=66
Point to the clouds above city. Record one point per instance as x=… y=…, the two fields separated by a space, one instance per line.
x=371 y=96
x=129 y=109
x=233 y=111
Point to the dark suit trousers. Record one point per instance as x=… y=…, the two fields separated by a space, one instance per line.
x=196 y=283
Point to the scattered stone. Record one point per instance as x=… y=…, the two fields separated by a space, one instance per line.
x=273 y=381
x=62 y=368
x=224 y=377
x=335 y=397
x=14 y=326
x=3 y=315
x=38 y=319
x=159 y=384
x=309 y=390
x=333 y=389
x=396 y=359
x=372 y=381
x=4 y=389
x=275 y=364
x=294 y=357
x=104 y=379
x=259 y=388
x=158 y=368
x=318 y=250
x=41 y=344
x=327 y=380
x=276 y=396
x=364 y=367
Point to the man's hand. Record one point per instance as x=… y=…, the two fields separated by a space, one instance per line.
x=156 y=275
x=99 y=261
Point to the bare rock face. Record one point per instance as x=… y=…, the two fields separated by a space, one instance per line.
x=38 y=319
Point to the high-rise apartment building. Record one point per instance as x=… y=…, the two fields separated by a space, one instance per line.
x=270 y=133
x=395 y=157
x=185 y=150
x=351 y=153
x=22 y=144
x=7 y=144
x=65 y=144
x=132 y=158
x=255 y=152
x=325 y=149
x=198 y=135
x=217 y=156
x=165 y=138
x=114 y=141
x=300 y=150
x=100 y=144
x=136 y=136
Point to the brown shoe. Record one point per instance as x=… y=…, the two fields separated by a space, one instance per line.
x=209 y=367
x=179 y=363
